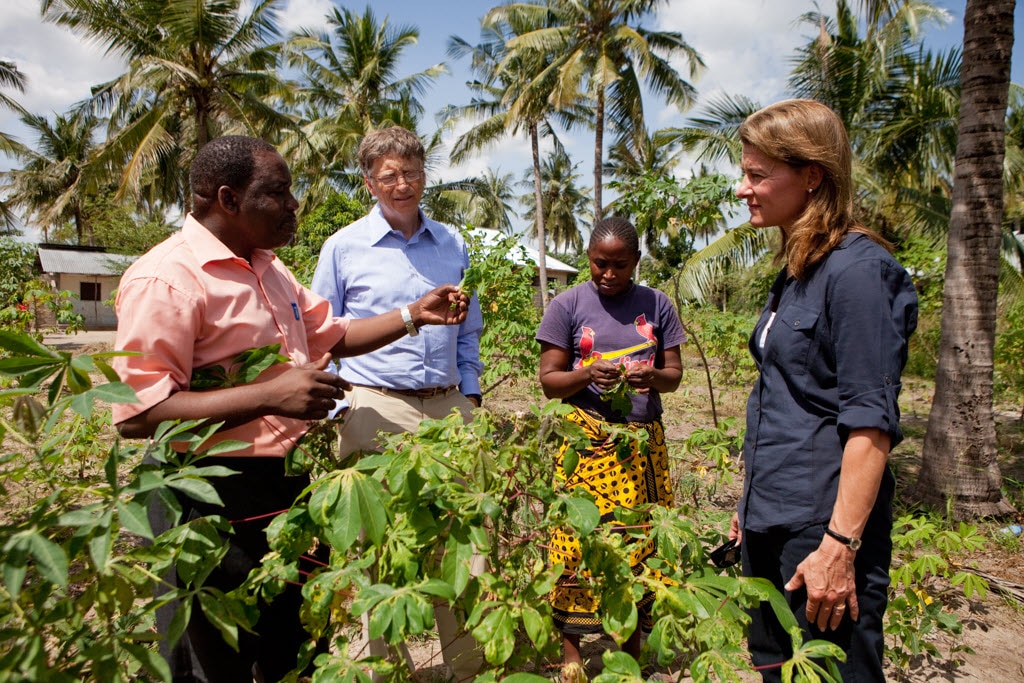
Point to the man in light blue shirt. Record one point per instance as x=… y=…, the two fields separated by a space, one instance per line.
x=387 y=260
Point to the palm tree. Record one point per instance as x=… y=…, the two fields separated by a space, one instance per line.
x=197 y=69
x=349 y=86
x=564 y=204
x=655 y=153
x=10 y=77
x=484 y=202
x=598 y=49
x=504 y=105
x=898 y=102
x=959 y=468
x=56 y=176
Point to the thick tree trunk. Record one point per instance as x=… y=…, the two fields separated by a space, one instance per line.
x=959 y=467
x=598 y=154
x=542 y=237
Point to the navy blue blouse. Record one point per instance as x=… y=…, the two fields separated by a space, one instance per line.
x=830 y=350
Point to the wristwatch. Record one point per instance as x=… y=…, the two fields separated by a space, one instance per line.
x=410 y=326
x=851 y=543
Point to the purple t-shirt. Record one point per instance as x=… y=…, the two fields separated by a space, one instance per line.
x=628 y=328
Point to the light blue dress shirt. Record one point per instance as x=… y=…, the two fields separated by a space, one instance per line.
x=367 y=268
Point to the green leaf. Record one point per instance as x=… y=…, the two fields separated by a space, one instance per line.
x=99 y=548
x=217 y=614
x=570 y=460
x=150 y=660
x=133 y=518
x=18 y=342
x=360 y=504
x=584 y=516
x=497 y=633
x=15 y=565
x=49 y=559
x=535 y=626
x=197 y=489
x=201 y=548
x=114 y=392
x=16 y=366
x=455 y=562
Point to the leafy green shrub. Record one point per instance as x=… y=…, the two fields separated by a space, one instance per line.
x=76 y=600
x=423 y=506
x=1008 y=380
x=24 y=296
x=502 y=277
x=923 y=563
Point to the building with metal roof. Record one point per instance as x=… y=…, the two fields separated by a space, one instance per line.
x=90 y=274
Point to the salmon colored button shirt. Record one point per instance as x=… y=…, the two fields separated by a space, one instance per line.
x=190 y=303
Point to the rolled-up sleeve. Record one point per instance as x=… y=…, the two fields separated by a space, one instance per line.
x=872 y=315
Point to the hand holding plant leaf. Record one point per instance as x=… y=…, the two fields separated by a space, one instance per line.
x=620 y=395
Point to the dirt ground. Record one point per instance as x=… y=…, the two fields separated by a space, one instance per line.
x=993 y=625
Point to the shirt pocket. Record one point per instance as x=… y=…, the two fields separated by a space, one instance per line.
x=793 y=342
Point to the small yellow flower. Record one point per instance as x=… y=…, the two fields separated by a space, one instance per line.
x=923 y=596
x=494 y=307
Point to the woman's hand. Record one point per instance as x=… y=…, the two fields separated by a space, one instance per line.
x=828 y=576
x=640 y=376
x=604 y=374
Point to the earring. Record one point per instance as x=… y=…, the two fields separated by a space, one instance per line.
x=810 y=190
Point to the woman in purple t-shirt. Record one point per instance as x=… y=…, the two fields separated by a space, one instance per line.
x=592 y=336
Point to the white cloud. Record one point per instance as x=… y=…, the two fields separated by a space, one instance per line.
x=746 y=44
x=60 y=67
x=303 y=14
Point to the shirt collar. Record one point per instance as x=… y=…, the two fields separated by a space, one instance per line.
x=383 y=229
x=209 y=249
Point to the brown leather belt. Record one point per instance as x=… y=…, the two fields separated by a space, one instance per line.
x=429 y=392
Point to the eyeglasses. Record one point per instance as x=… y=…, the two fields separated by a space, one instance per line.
x=391 y=179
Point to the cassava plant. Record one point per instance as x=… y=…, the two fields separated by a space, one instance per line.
x=419 y=510
x=79 y=560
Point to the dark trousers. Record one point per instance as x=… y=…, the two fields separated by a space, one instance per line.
x=201 y=655
x=774 y=556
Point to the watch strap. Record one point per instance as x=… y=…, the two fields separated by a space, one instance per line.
x=851 y=543
x=410 y=326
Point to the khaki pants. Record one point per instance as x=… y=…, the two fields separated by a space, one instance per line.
x=371 y=411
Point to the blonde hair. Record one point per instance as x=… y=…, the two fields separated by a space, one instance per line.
x=803 y=133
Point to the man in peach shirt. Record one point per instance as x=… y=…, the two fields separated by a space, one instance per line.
x=197 y=300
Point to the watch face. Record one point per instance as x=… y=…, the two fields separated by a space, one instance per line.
x=854 y=544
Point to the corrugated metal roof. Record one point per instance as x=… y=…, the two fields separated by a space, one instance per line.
x=82 y=262
x=491 y=237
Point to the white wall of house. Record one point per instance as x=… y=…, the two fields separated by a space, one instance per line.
x=92 y=294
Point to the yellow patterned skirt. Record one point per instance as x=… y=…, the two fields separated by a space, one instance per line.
x=641 y=481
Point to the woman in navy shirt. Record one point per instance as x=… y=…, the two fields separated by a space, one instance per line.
x=815 y=517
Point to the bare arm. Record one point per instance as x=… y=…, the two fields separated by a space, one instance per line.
x=828 y=571
x=558 y=382
x=445 y=305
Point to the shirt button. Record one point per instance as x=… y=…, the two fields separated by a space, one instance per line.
x=796 y=323
x=888 y=379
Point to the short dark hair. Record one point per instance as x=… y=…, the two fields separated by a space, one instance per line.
x=396 y=140
x=618 y=228
x=228 y=160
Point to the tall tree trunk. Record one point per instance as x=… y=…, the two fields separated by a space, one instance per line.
x=542 y=238
x=598 y=154
x=959 y=466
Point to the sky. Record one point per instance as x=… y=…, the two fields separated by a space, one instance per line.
x=746 y=46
